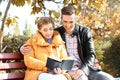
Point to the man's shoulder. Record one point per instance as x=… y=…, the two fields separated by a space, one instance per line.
x=83 y=28
x=60 y=29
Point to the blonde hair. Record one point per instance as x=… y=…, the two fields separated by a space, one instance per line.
x=43 y=21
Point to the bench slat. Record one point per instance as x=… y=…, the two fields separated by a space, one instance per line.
x=13 y=65
x=11 y=61
x=11 y=75
x=10 y=56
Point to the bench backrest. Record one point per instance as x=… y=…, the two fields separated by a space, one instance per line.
x=11 y=65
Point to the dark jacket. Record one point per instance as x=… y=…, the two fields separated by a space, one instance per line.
x=85 y=47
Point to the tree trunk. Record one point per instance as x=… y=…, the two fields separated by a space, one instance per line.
x=3 y=22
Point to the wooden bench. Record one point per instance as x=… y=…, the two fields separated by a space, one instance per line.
x=11 y=66
x=12 y=61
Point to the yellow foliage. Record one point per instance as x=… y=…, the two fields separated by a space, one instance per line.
x=98 y=1
x=41 y=5
x=28 y=1
x=96 y=6
x=0 y=14
x=78 y=10
x=8 y=21
x=11 y=21
x=74 y=1
x=65 y=2
x=56 y=14
x=36 y=20
x=36 y=10
x=18 y=2
x=14 y=22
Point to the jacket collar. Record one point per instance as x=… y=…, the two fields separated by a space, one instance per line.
x=39 y=40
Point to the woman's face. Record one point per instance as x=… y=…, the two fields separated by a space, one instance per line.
x=47 y=31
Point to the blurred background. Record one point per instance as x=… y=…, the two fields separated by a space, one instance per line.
x=18 y=19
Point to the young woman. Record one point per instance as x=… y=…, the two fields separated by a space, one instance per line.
x=45 y=43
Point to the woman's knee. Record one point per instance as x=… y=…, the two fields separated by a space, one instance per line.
x=49 y=76
x=43 y=76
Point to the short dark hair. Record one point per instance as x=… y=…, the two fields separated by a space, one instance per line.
x=43 y=21
x=68 y=10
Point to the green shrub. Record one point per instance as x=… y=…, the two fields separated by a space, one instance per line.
x=100 y=47
x=13 y=43
x=112 y=57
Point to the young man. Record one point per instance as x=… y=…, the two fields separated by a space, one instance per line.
x=79 y=45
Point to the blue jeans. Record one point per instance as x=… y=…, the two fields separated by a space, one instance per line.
x=100 y=76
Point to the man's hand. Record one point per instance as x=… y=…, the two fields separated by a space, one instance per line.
x=96 y=65
x=76 y=74
x=25 y=49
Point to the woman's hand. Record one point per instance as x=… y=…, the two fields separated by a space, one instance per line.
x=57 y=70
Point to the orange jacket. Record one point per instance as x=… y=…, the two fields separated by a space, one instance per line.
x=36 y=59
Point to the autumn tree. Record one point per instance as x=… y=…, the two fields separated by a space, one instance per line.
x=7 y=20
x=2 y=26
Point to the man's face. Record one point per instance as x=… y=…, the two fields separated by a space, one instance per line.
x=68 y=22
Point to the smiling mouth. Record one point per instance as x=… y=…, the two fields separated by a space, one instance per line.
x=48 y=35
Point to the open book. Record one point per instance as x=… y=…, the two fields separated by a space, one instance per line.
x=64 y=64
